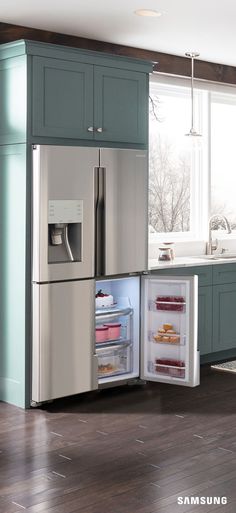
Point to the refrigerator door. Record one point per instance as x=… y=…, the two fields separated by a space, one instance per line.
x=64 y=360
x=169 y=330
x=63 y=212
x=124 y=230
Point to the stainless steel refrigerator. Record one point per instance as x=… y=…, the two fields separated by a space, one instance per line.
x=89 y=219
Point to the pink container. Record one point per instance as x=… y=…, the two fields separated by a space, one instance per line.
x=113 y=330
x=102 y=334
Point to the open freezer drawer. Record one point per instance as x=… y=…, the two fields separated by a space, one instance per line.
x=169 y=330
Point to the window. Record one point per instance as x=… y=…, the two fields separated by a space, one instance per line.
x=188 y=184
x=223 y=156
x=169 y=163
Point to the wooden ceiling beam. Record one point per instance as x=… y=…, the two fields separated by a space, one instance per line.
x=165 y=63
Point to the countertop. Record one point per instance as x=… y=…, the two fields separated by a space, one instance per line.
x=189 y=261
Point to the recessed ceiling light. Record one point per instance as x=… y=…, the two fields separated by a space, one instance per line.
x=147 y=12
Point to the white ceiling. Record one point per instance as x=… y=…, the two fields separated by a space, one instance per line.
x=207 y=26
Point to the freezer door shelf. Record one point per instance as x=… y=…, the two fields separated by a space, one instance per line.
x=167 y=305
x=173 y=339
x=174 y=370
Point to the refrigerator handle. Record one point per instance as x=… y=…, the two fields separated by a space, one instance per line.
x=99 y=187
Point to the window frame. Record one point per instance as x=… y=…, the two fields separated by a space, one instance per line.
x=201 y=204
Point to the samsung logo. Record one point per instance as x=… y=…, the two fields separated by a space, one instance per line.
x=202 y=500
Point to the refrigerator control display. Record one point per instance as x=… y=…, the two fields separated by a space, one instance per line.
x=65 y=211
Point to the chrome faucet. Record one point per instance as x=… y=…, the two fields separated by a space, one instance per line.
x=210 y=247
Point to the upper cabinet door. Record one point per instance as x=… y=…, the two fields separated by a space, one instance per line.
x=62 y=98
x=120 y=105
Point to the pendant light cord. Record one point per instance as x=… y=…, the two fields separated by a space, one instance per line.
x=192 y=74
x=192 y=55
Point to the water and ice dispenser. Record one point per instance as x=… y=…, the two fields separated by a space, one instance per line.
x=65 y=225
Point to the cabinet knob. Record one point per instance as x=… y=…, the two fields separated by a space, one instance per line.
x=99 y=130
x=90 y=129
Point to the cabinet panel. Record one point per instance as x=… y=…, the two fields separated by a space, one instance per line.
x=205 y=320
x=13 y=100
x=13 y=271
x=120 y=105
x=62 y=98
x=224 y=273
x=224 y=315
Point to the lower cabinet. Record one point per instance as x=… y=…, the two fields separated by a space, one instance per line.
x=224 y=317
x=205 y=320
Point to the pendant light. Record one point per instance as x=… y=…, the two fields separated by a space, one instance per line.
x=192 y=132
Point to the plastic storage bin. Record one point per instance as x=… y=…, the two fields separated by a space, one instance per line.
x=114 y=361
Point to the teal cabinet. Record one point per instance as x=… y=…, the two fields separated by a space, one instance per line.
x=120 y=105
x=224 y=273
x=62 y=98
x=77 y=100
x=59 y=95
x=224 y=317
x=13 y=100
x=13 y=272
x=205 y=320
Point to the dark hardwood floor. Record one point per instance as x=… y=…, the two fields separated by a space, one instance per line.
x=135 y=449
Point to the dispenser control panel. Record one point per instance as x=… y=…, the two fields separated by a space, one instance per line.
x=65 y=211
